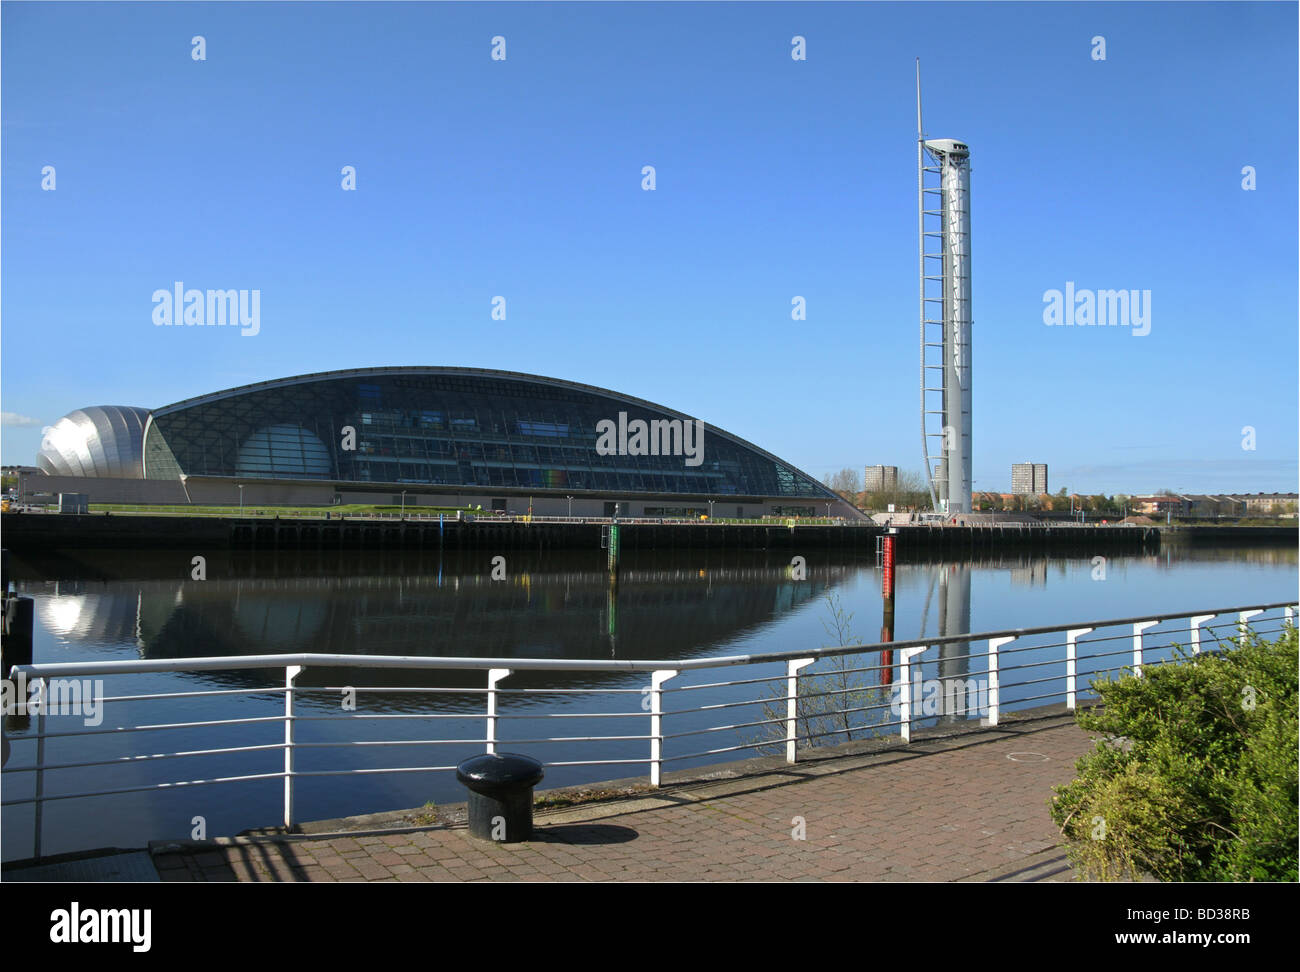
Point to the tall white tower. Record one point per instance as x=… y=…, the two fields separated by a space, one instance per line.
x=943 y=221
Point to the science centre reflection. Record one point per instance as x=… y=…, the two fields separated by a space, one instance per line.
x=563 y=607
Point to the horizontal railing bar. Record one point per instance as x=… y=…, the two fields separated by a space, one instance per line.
x=704 y=685
x=467 y=715
x=311 y=659
x=726 y=749
x=150 y=786
x=845 y=691
x=1123 y=636
x=739 y=725
x=189 y=695
x=837 y=672
x=840 y=732
x=1082 y=656
x=387 y=742
x=360 y=689
x=867 y=730
x=176 y=725
x=1039 y=681
x=121 y=760
x=1105 y=671
x=862 y=708
x=370 y=770
x=1111 y=654
x=557 y=739
x=1032 y=698
x=772 y=700
x=545 y=691
x=355 y=716
x=836 y=712
x=599 y=762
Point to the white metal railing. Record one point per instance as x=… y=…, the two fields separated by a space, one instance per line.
x=779 y=730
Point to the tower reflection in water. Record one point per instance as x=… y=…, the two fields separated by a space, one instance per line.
x=941 y=689
x=954 y=657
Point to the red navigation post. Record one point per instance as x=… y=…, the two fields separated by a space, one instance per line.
x=887 y=591
x=887 y=577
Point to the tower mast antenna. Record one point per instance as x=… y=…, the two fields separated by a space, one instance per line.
x=920 y=239
x=919 y=136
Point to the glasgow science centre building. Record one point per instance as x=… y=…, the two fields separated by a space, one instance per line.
x=423 y=436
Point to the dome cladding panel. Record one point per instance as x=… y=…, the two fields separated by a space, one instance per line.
x=104 y=440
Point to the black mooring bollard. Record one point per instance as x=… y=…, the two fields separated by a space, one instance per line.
x=500 y=795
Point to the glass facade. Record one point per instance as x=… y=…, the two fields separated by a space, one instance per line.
x=445 y=427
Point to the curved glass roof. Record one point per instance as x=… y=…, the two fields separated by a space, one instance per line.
x=457 y=427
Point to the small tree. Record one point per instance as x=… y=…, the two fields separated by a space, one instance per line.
x=846 y=482
x=827 y=688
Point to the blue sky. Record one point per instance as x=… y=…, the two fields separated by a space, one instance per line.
x=775 y=178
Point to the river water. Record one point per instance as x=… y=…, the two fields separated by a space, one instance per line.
x=112 y=605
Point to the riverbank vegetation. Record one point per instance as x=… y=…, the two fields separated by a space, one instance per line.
x=1195 y=776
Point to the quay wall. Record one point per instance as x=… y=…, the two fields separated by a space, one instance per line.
x=95 y=530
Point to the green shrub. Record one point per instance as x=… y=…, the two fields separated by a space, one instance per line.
x=1195 y=777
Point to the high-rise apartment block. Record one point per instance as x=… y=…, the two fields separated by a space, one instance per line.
x=1029 y=477
x=880 y=479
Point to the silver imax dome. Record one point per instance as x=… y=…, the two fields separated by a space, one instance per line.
x=105 y=440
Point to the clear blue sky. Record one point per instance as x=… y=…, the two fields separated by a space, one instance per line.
x=775 y=178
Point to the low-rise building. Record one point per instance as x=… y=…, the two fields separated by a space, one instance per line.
x=1274 y=503
x=1177 y=505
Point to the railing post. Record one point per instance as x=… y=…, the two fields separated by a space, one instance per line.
x=905 y=691
x=1242 y=618
x=40 y=765
x=995 y=688
x=1071 y=667
x=1196 y=621
x=1138 y=628
x=494 y=675
x=291 y=672
x=792 y=703
x=657 y=680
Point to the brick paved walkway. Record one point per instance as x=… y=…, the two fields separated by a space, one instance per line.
x=973 y=807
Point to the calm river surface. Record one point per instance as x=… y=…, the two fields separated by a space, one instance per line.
x=114 y=605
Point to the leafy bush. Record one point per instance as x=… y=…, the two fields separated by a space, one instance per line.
x=1195 y=779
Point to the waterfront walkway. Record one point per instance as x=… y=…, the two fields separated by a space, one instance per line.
x=970 y=807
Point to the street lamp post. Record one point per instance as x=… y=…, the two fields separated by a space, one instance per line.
x=241 y=499
x=710 y=511
x=403 y=504
x=570 y=499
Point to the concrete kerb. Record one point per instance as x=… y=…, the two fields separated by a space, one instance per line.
x=680 y=787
